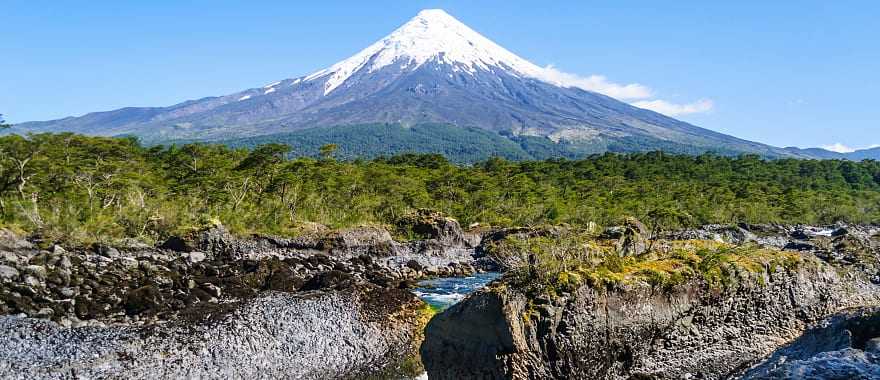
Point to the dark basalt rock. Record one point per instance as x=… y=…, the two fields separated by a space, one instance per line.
x=329 y=280
x=633 y=238
x=635 y=331
x=176 y=244
x=845 y=346
x=428 y=224
x=219 y=307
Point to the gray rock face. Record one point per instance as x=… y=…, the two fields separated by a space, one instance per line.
x=728 y=234
x=8 y=273
x=224 y=307
x=845 y=364
x=9 y=241
x=319 y=335
x=633 y=238
x=844 y=346
x=449 y=256
x=692 y=331
x=373 y=241
x=149 y=285
x=431 y=225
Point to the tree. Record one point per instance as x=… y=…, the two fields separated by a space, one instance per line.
x=328 y=150
x=16 y=161
x=664 y=219
x=264 y=165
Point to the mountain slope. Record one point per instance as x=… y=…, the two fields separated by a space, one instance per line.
x=858 y=155
x=433 y=70
x=864 y=154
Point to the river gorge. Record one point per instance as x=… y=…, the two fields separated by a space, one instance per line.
x=718 y=302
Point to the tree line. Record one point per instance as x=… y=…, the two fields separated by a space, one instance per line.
x=79 y=189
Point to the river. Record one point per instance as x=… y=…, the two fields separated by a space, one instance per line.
x=444 y=292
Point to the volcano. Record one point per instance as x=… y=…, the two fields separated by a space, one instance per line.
x=434 y=84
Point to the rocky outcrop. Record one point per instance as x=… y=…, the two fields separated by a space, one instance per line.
x=636 y=331
x=631 y=235
x=431 y=225
x=845 y=346
x=365 y=331
x=729 y=234
x=494 y=250
x=332 y=304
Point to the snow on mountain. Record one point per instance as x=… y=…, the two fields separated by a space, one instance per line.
x=433 y=35
x=433 y=70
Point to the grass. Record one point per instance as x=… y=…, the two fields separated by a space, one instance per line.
x=566 y=262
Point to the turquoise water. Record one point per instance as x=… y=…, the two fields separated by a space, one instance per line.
x=447 y=291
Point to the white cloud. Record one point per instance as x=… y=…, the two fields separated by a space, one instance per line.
x=597 y=83
x=672 y=109
x=841 y=148
x=639 y=94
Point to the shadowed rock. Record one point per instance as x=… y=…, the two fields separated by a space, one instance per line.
x=636 y=331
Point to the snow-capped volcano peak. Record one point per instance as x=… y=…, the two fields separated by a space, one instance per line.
x=432 y=35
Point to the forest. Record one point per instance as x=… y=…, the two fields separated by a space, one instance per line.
x=458 y=144
x=83 y=190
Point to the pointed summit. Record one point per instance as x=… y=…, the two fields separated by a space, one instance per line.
x=432 y=35
x=422 y=87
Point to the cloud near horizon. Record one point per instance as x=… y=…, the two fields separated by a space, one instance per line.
x=672 y=109
x=841 y=148
x=637 y=94
x=598 y=83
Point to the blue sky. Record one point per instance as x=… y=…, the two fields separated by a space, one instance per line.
x=800 y=73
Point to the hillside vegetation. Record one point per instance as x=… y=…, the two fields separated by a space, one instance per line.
x=464 y=145
x=65 y=187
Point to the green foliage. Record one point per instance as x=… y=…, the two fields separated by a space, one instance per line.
x=460 y=144
x=464 y=145
x=327 y=151
x=82 y=189
x=564 y=262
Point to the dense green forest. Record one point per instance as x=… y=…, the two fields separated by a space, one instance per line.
x=80 y=189
x=463 y=145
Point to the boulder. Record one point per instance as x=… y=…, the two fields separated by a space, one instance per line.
x=176 y=244
x=8 y=273
x=10 y=241
x=736 y=235
x=633 y=240
x=427 y=224
x=35 y=270
x=107 y=251
x=196 y=257
x=214 y=241
x=352 y=242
